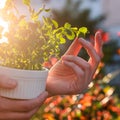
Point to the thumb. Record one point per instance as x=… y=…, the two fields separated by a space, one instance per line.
x=74 y=48
x=6 y=82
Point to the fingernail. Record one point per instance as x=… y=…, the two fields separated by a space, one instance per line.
x=99 y=36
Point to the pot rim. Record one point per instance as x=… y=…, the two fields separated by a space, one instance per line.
x=22 y=72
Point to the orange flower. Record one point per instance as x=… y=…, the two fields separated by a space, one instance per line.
x=118 y=51
x=86 y=101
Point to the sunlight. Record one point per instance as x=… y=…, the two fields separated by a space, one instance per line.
x=2 y=3
x=5 y=29
x=3 y=23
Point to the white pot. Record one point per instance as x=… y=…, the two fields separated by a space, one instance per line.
x=30 y=83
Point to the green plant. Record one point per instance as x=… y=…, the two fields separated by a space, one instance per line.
x=31 y=41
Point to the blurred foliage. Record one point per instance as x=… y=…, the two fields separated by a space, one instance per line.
x=110 y=49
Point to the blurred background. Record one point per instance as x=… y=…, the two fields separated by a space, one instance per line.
x=102 y=99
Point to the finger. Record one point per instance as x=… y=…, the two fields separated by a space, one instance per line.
x=79 y=72
x=74 y=48
x=94 y=57
x=76 y=86
x=6 y=82
x=22 y=105
x=77 y=60
x=17 y=115
x=83 y=64
x=98 y=44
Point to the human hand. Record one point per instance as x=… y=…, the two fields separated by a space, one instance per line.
x=72 y=74
x=11 y=109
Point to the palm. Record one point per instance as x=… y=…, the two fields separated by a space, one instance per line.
x=59 y=79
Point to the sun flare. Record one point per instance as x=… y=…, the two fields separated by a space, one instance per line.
x=5 y=29
x=2 y=3
x=3 y=23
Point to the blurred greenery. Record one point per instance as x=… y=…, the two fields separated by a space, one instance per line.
x=31 y=41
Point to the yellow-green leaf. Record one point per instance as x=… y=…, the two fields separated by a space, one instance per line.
x=62 y=40
x=83 y=30
x=55 y=23
x=70 y=34
x=67 y=25
x=26 y=2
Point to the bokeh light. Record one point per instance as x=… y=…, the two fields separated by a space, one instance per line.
x=5 y=29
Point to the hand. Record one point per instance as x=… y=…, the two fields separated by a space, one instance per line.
x=11 y=109
x=72 y=74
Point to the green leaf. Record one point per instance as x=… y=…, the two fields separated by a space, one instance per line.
x=26 y=2
x=62 y=40
x=35 y=17
x=22 y=23
x=59 y=30
x=55 y=23
x=67 y=25
x=69 y=34
x=47 y=10
x=74 y=28
x=83 y=30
